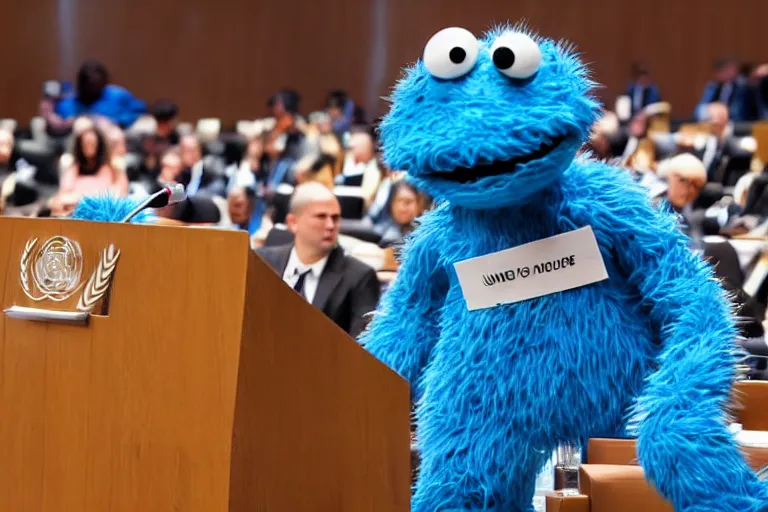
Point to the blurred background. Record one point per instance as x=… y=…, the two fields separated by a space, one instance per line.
x=241 y=101
x=224 y=58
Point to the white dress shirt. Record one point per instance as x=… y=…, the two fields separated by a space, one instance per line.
x=295 y=268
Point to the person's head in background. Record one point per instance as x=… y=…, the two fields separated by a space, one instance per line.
x=7 y=142
x=314 y=218
x=603 y=131
x=170 y=166
x=254 y=151
x=91 y=80
x=117 y=145
x=717 y=115
x=82 y=124
x=638 y=125
x=321 y=123
x=686 y=176
x=746 y=70
x=191 y=151
x=284 y=105
x=240 y=201
x=91 y=152
x=362 y=146
x=336 y=104
x=405 y=203
x=726 y=69
x=165 y=113
x=641 y=75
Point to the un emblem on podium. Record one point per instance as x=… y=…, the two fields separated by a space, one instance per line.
x=54 y=270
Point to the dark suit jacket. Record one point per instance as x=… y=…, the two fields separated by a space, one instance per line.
x=348 y=288
x=650 y=95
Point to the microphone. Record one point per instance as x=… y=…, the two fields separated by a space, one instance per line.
x=170 y=194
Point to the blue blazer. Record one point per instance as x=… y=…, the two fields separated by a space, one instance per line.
x=116 y=103
x=736 y=105
x=651 y=95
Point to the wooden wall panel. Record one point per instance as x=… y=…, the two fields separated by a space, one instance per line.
x=224 y=58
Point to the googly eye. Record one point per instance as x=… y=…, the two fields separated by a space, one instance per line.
x=451 y=53
x=516 y=55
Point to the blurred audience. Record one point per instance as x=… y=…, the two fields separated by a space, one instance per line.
x=341 y=111
x=361 y=168
x=90 y=173
x=7 y=142
x=165 y=136
x=198 y=175
x=726 y=87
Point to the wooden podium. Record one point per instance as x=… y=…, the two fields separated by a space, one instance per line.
x=182 y=375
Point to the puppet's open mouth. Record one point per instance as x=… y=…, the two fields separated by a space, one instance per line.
x=495 y=168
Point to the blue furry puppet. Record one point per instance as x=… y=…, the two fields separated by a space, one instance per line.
x=491 y=129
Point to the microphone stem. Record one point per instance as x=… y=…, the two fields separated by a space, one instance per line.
x=142 y=206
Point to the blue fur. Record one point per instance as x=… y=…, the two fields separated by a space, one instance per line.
x=651 y=348
x=108 y=208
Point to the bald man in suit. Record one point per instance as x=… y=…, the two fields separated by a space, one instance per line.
x=342 y=287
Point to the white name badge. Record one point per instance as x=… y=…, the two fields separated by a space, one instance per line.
x=555 y=264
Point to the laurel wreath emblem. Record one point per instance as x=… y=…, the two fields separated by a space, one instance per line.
x=24 y=268
x=100 y=280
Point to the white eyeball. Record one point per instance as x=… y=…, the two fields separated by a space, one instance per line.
x=516 y=55
x=451 y=53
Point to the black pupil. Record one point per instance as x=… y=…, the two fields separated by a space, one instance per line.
x=457 y=55
x=503 y=57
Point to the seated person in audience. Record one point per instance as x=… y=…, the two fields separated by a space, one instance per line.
x=640 y=153
x=316 y=167
x=253 y=169
x=379 y=212
x=726 y=87
x=361 y=167
x=642 y=91
x=341 y=110
x=404 y=208
x=198 y=175
x=286 y=143
x=90 y=173
x=601 y=140
x=96 y=96
x=686 y=176
x=117 y=147
x=761 y=94
x=320 y=123
x=7 y=144
x=79 y=125
x=718 y=117
x=7 y=166
x=240 y=203
x=55 y=125
x=170 y=168
x=342 y=287
x=153 y=146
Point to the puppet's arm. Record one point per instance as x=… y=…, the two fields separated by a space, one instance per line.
x=680 y=422
x=405 y=325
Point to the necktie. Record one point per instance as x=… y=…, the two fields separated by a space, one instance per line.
x=299 y=286
x=717 y=92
